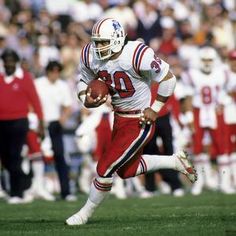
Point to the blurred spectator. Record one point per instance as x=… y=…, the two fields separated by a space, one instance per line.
x=56 y=103
x=168 y=42
x=148 y=21
x=17 y=94
x=70 y=55
x=83 y=11
x=122 y=12
x=46 y=52
x=24 y=48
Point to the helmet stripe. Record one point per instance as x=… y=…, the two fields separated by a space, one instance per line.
x=94 y=27
x=99 y=25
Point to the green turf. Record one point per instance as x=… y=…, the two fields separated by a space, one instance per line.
x=209 y=214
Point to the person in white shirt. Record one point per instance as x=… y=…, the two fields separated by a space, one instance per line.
x=56 y=102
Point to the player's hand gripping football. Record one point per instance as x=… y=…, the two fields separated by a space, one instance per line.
x=91 y=102
x=148 y=116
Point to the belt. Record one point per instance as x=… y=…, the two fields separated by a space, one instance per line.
x=129 y=112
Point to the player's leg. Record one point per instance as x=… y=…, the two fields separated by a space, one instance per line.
x=199 y=156
x=38 y=189
x=178 y=161
x=121 y=150
x=223 y=161
x=232 y=151
x=99 y=190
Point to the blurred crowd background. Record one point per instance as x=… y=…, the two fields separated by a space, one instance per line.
x=46 y=31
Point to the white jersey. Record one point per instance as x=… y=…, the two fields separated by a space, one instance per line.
x=207 y=93
x=128 y=77
x=206 y=88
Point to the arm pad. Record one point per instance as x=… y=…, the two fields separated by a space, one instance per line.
x=166 y=87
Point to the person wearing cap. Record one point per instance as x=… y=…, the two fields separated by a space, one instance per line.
x=17 y=95
x=230 y=114
x=56 y=102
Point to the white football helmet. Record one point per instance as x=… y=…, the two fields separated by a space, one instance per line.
x=208 y=57
x=110 y=30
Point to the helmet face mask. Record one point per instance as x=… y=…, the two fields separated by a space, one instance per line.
x=102 y=52
x=108 y=38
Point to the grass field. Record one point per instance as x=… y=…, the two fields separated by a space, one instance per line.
x=209 y=214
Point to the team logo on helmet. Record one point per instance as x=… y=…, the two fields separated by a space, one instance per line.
x=116 y=25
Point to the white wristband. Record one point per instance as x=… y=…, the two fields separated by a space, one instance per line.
x=157 y=105
x=82 y=98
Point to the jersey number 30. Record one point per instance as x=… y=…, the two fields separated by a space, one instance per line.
x=122 y=83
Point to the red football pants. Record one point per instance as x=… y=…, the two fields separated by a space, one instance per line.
x=124 y=152
x=218 y=136
x=33 y=144
x=231 y=138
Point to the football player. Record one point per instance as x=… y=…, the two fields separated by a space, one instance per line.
x=127 y=67
x=230 y=113
x=207 y=83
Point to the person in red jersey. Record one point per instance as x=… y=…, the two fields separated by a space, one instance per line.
x=17 y=94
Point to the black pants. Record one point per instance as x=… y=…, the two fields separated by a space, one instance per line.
x=55 y=132
x=163 y=130
x=12 y=138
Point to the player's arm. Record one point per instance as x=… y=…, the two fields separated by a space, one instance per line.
x=84 y=94
x=165 y=90
x=156 y=69
x=85 y=97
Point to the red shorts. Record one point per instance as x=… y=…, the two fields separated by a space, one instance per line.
x=33 y=144
x=124 y=152
x=217 y=135
x=231 y=138
x=103 y=136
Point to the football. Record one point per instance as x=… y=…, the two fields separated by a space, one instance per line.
x=98 y=87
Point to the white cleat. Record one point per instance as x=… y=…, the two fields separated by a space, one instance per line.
x=18 y=200
x=227 y=190
x=185 y=167
x=77 y=219
x=43 y=194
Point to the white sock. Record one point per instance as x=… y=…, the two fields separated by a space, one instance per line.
x=233 y=166
x=100 y=188
x=149 y=163
x=207 y=170
x=38 y=171
x=198 y=185
x=137 y=184
x=224 y=171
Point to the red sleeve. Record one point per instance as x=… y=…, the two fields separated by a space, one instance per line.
x=175 y=107
x=33 y=95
